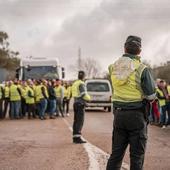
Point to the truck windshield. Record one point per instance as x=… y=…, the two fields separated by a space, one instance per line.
x=97 y=87
x=39 y=72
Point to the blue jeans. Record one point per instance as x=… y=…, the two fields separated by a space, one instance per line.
x=168 y=110
x=163 y=115
x=42 y=106
x=15 y=107
x=52 y=107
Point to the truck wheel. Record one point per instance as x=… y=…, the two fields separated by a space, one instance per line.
x=109 y=109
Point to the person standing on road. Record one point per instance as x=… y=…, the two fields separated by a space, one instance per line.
x=80 y=95
x=30 y=101
x=1 y=101
x=133 y=86
x=66 y=99
x=168 y=103
x=59 y=90
x=15 y=100
x=6 y=99
x=162 y=103
x=41 y=99
x=52 y=99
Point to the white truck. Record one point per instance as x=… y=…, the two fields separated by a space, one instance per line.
x=38 y=68
x=100 y=91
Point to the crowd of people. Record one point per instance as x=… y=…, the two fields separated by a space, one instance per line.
x=42 y=98
x=160 y=108
x=34 y=99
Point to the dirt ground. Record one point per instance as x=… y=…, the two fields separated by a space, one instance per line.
x=39 y=145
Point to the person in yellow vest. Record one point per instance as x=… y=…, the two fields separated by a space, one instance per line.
x=30 y=100
x=168 y=103
x=66 y=99
x=52 y=99
x=23 y=87
x=161 y=95
x=6 y=99
x=41 y=99
x=80 y=95
x=59 y=90
x=1 y=101
x=133 y=87
x=15 y=100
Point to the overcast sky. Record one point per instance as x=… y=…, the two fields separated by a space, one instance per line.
x=57 y=28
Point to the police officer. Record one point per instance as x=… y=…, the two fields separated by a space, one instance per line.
x=132 y=85
x=80 y=96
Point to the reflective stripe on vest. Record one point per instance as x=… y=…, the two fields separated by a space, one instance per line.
x=14 y=94
x=125 y=75
x=162 y=102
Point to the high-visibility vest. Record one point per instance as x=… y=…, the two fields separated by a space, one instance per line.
x=6 y=91
x=67 y=92
x=38 y=93
x=30 y=100
x=14 y=94
x=46 y=91
x=23 y=91
x=162 y=102
x=1 y=93
x=168 y=88
x=76 y=91
x=58 y=90
x=125 y=76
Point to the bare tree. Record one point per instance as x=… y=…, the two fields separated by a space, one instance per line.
x=91 y=67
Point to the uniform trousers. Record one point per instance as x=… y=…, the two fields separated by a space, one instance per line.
x=129 y=127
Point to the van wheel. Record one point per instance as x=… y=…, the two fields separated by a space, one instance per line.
x=109 y=109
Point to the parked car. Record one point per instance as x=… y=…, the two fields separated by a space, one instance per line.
x=100 y=91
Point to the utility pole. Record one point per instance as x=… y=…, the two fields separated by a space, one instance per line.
x=79 y=59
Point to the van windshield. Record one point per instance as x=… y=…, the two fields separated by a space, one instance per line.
x=97 y=87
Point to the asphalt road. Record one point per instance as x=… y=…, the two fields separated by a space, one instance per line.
x=47 y=145
x=98 y=131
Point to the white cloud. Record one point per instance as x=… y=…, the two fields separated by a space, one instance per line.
x=100 y=27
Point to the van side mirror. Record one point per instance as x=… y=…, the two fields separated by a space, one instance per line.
x=63 y=72
x=17 y=73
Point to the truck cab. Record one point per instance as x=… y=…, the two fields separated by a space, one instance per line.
x=38 y=68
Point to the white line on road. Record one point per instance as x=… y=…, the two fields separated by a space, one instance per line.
x=97 y=157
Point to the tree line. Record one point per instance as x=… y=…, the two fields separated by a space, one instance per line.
x=8 y=58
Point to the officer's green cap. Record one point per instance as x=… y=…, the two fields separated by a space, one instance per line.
x=134 y=41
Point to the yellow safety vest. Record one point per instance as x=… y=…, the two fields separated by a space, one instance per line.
x=76 y=91
x=14 y=94
x=162 y=102
x=6 y=91
x=46 y=91
x=168 y=88
x=30 y=100
x=38 y=93
x=125 y=75
x=67 y=92
x=23 y=91
x=1 y=93
x=58 y=91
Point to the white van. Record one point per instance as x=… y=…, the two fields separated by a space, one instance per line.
x=100 y=91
